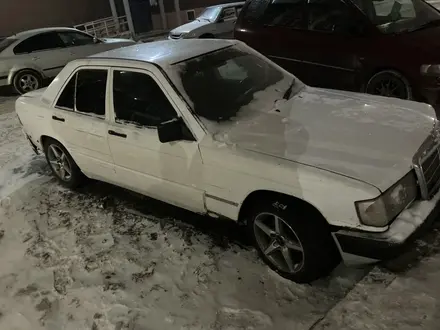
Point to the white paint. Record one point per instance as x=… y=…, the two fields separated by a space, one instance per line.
x=309 y=156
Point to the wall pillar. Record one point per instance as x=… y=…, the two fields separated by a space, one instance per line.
x=177 y=9
x=129 y=17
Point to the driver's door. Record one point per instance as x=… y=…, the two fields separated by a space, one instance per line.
x=166 y=171
x=225 y=23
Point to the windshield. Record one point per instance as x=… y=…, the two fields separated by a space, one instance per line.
x=233 y=84
x=5 y=43
x=210 y=14
x=392 y=16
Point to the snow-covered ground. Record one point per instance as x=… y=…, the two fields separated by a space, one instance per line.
x=105 y=258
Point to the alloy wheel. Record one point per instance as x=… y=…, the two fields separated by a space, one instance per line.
x=391 y=87
x=279 y=242
x=59 y=162
x=28 y=83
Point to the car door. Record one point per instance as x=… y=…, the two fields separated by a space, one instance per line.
x=80 y=121
x=167 y=171
x=224 y=28
x=333 y=44
x=44 y=52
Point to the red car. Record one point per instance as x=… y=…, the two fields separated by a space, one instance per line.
x=383 y=47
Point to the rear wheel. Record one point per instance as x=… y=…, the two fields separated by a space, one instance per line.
x=27 y=81
x=62 y=164
x=293 y=240
x=389 y=83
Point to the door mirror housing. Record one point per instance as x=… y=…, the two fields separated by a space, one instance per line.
x=174 y=130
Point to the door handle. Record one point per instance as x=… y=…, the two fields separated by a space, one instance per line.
x=58 y=118
x=122 y=135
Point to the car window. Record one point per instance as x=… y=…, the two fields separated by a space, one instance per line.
x=91 y=87
x=67 y=97
x=210 y=14
x=138 y=99
x=5 y=43
x=228 y=14
x=39 y=42
x=329 y=16
x=72 y=39
x=286 y=13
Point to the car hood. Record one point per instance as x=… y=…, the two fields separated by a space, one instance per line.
x=188 y=27
x=115 y=40
x=368 y=138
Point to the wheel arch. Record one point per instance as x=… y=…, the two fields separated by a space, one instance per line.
x=260 y=195
x=376 y=70
x=16 y=70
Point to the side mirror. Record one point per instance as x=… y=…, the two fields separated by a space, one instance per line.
x=96 y=40
x=173 y=130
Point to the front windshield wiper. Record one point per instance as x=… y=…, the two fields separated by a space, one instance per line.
x=289 y=90
x=426 y=25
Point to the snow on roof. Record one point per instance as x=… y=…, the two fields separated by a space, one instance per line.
x=166 y=52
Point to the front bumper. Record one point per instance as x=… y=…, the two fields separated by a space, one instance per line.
x=386 y=245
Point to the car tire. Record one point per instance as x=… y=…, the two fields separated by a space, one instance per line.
x=62 y=164
x=27 y=81
x=389 y=83
x=207 y=36
x=301 y=235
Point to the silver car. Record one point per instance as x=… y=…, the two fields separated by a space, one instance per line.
x=214 y=22
x=29 y=57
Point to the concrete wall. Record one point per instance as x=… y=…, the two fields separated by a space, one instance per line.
x=19 y=15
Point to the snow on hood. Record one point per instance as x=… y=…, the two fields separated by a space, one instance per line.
x=188 y=27
x=369 y=138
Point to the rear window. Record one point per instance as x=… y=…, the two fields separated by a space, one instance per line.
x=5 y=43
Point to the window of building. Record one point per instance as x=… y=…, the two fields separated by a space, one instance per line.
x=190 y=15
x=138 y=99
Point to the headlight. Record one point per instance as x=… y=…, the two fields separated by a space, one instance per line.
x=382 y=210
x=430 y=69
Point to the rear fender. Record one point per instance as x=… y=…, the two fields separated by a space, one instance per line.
x=18 y=67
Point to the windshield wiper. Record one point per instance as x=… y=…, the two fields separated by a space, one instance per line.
x=289 y=90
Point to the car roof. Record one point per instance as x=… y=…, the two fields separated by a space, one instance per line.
x=231 y=4
x=166 y=52
x=29 y=33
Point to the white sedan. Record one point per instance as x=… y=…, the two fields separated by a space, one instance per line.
x=29 y=57
x=215 y=127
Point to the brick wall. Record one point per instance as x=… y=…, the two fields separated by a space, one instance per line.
x=19 y=15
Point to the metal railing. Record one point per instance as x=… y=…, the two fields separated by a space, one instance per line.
x=107 y=27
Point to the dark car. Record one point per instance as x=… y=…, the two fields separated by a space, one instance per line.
x=383 y=47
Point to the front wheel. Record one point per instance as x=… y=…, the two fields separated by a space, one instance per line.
x=293 y=241
x=26 y=81
x=62 y=164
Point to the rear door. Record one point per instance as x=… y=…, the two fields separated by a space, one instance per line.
x=80 y=121
x=81 y=44
x=45 y=52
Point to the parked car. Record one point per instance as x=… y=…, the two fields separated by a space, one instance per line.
x=27 y=58
x=381 y=47
x=215 y=127
x=214 y=22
